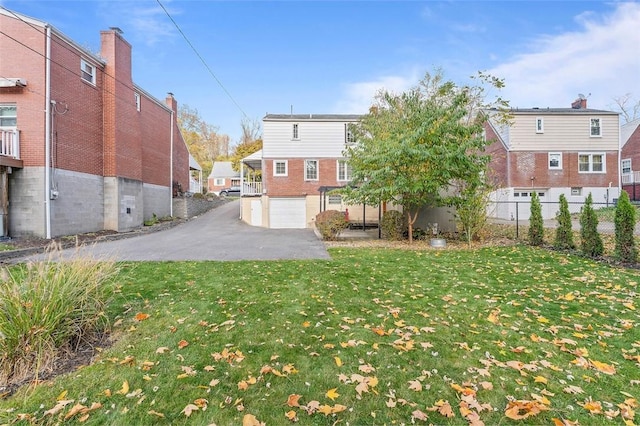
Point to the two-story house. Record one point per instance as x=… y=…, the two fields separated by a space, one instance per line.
x=552 y=151
x=301 y=163
x=630 y=158
x=82 y=147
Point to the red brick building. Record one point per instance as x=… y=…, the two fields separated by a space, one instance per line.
x=82 y=147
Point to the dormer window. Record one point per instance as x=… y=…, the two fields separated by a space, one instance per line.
x=596 y=130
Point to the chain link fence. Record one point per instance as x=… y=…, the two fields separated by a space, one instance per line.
x=517 y=213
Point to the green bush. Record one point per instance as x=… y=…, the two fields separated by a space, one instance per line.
x=536 y=225
x=330 y=223
x=393 y=225
x=564 y=232
x=48 y=307
x=625 y=223
x=591 y=242
x=150 y=222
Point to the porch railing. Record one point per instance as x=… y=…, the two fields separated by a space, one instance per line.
x=633 y=177
x=10 y=143
x=252 y=188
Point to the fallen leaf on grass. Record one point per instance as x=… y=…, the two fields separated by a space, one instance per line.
x=332 y=394
x=291 y=415
x=522 y=409
x=189 y=409
x=293 y=400
x=140 y=316
x=251 y=420
x=183 y=344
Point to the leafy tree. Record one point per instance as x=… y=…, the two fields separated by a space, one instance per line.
x=203 y=140
x=412 y=147
x=564 y=232
x=536 y=225
x=591 y=242
x=625 y=222
x=471 y=210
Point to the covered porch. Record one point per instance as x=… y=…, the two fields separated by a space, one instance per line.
x=251 y=175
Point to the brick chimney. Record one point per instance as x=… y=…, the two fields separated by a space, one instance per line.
x=580 y=103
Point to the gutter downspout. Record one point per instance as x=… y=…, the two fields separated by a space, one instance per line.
x=171 y=167
x=47 y=150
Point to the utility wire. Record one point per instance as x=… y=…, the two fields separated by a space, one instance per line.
x=202 y=60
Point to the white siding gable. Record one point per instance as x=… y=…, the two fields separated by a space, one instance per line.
x=316 y=139
x=563 y=132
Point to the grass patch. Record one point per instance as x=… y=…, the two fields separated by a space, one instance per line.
x=373 y=336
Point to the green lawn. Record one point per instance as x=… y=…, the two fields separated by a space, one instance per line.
x=373 y=336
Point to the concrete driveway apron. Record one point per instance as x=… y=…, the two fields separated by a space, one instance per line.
x=218 y=234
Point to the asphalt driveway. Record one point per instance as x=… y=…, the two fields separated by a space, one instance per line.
x=216 y=235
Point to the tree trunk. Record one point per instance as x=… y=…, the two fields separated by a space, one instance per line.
x=411 y=219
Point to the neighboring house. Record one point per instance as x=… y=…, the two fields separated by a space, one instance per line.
x=83 y=148
x=195 y=178
x=630 y=158
x=553 y=151
x=301 y=162
x=222 y=176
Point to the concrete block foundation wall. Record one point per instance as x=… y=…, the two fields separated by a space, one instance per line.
x=123 y=204
x=79 y=206
x=186 y=207
x=157 y=200
x=27 y=206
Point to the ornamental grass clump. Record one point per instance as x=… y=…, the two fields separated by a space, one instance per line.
x=49 y=307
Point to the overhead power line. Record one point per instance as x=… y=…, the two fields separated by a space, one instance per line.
x=202 y=59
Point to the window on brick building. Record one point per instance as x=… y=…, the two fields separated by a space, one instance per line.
x=555 y=161
x=87 y=72
x=136 y=97
x=280 y=168
x=626 y=166
x=591 y=162
x=344 y=171
x=218 y=181
x=310 y=169
x=8 y=115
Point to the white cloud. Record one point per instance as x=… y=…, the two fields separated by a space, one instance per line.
x=147 y=22
x=601 y=58
x=358 y=97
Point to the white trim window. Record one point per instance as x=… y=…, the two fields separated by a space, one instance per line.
x=625 y=166
x=334 y=199
x=555 y=161
x=539 y=125
x=344 y=171
x=8 y=115
x=311 y=170
x=592 y=162
x=295 y=132
x=349 y=136
x=595 y=127
x=136 y=97
x=218 y=182
x=87 y=72
x=280 y=168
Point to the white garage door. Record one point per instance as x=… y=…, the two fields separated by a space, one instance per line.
x=287 y=213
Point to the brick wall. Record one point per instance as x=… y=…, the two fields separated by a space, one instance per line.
x=525 y=165
x=180 y=151
x=294 y=183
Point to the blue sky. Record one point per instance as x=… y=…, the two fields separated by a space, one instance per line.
x=332 y=56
